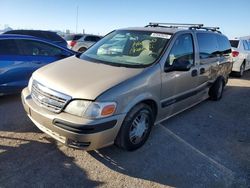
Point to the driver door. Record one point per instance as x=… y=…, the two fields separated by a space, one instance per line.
x=179 y=87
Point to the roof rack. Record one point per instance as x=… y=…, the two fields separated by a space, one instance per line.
x=214 y=29
x=183 y=25
x=172 y=25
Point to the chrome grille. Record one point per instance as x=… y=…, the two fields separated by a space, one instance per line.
x=47 y=98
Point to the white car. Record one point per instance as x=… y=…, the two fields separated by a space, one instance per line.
x=241 y=55
x=85 y=42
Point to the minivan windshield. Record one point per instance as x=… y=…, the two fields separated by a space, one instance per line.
x=128 y=48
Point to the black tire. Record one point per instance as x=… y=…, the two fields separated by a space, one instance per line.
x=123 y=139
x=83 y=49
x=216 y=91
x=242 y=69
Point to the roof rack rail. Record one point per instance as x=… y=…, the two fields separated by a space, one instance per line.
x=214 y=29
x=183 y=25
x=172 y=25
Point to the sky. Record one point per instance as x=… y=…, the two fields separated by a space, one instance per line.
x=103 y=16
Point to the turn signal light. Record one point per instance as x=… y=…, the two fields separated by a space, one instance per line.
x=108 y=110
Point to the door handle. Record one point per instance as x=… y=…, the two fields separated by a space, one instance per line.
x=194 y=73
x=202 y=70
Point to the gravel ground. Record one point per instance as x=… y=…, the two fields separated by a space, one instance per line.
x=205 y=146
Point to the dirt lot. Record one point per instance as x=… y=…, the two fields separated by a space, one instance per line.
x=206 y=146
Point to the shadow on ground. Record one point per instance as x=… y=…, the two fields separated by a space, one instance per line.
x=29 y=158
x=206 y=146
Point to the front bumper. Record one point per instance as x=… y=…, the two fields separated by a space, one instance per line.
x=71 y=130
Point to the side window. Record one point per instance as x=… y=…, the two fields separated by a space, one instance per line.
x=208 y=45
x=36 y=48
x=182 y=50
x=224 y=45
x=97 y=39
x=9 y=47
x=88 y=39
x=245 y=44
x=82 y=39
x=91 y=39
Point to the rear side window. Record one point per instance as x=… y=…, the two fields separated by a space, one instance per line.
x=77 y=37
x=224 y=45
x=245 y=44
x=92 y=38
x=182 y=50
x=9 y=47
x=36 y=48
x=54 y=37
x=208 y=45
x=234 y=43
x=69 y=37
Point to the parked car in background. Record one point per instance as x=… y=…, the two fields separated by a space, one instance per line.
x=241 y=55
x=72 y=39
x=108 y=95
x=85 y=42
x=21 y=55
x=47 y=35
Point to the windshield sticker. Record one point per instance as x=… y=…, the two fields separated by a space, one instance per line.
x=161 y=35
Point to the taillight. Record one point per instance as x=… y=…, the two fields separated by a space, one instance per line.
x=72 y=43
x=235 y=53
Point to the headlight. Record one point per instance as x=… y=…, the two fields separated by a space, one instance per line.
x=30 y=84
x=90 y=109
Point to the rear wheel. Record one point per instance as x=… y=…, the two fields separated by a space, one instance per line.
x=83 y=49
x=242 y=69
x=135 y=128
x=216 y=91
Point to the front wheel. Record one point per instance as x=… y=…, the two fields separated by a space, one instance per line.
x=135 y=128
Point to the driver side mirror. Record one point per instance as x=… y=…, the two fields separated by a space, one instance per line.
x=178 y=65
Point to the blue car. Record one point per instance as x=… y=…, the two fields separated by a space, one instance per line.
x=21 y=55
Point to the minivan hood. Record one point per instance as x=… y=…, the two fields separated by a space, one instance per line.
x=82 y=79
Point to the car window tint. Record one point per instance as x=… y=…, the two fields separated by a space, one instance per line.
x=224 y=45
x=9 y=47
x=69 y=37
x=98 y=38
x=234 y=43
x=82 y=39
x=208 y=45
x=245 y=44
x=37 y=48
x=91 y=39
x=77 y=37
x=182 y=50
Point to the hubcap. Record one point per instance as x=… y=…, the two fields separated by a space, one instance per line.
x=139 y=128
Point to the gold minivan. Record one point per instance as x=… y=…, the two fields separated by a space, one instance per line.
x=128 y=81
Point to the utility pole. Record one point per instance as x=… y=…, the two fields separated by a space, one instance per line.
x=77 y=18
